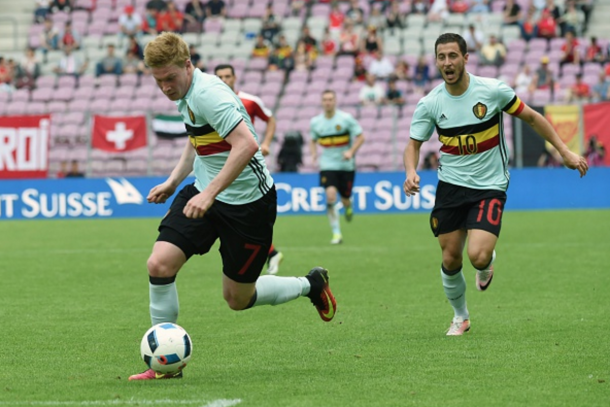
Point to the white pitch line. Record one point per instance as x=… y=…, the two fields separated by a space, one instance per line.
x=130 y=402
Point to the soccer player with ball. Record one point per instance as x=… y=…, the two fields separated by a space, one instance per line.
x=233 y=199
x=466 y=111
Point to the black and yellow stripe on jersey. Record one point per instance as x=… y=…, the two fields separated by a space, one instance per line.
x=335 y=140
x=476 y=138
x=206 y=141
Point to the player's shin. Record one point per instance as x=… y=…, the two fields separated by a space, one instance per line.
x=454 y=285
x=164 y=304
x=333 y=218
x=274 y=290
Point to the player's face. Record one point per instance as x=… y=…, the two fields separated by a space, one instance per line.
x=227 y=77
x=328 y=102
x=450 y=62
x=173 y=80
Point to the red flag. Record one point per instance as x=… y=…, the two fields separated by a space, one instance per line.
x=118 y=134
x=24 y=146
x=597 y=123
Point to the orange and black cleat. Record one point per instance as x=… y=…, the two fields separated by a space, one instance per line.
x=320 y=295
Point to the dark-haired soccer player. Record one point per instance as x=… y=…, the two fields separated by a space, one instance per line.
x=255 y=108
x=466 y=111
x=233 y=198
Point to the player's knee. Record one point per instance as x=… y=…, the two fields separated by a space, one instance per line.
x=452 y=260
x=237 y=303
x=480 y=258
x=157 y=267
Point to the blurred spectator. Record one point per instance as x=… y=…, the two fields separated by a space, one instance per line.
x=543 y=77
x=284 y=47
x=607 y=70
x=355 y=13
x=571 y=54
x=6 y=75
x=110 y=64
x=430 y=161
x=49 y=37
x=149 y=23
x=511 y=13
x=291 y=153
x=274 y=62
x=493 y=53
x=216 y=9
x=601 y=90
x=394 y=18
x=359 y=69
x=596 y=152
x=371 y=42
x=348 y=40
x=459 y=6
x=376 y=19
x=329 y=46
x=523 y=80
x=371 y=93
x=135 y=47
x=439 y=11
x=403 y=71
x=528 y=26
x=157 y=5
x=196 y=59
x=586 y=6
x=69 y=37
x=302 y=58
x=132 y=64
x=70 y=64
x=547 y=25
x=380 y=66
x=170 y=19
x=194 y=14
x=421 y=77
x=419 y=7
x=270 y=24
x=336 y=19
x=296 y=7
x=311 y=44
x=74 y=171
x=130 y=23
x=579 y=91
x=61 y=5
x=594 y=52
x=393 y=95
x=42 y=10
x=474 y=39
x=572 y=19
x=479 y=6
x=261 y=50
x=28 y=70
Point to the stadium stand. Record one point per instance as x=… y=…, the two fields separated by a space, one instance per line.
x=31 y=85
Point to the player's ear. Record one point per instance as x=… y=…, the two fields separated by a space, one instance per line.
x=188 y=65
x=466 y=57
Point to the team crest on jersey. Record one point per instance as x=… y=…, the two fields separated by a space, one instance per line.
x=479 y=110
x=191 y=114
x=338 y=127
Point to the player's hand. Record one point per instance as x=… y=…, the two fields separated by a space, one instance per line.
x=575 y=162
x=161 y=192
x=264 y=149
x=348 y=155
x=411 y=185
x=198 y=205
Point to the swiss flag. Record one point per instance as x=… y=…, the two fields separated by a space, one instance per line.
x=118 y=134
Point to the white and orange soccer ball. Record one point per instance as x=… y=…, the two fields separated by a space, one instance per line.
x=166 y=348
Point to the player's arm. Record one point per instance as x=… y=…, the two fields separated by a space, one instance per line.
x=358 y=142
x=269 y=133
x=160 y=193
x=313 y=149
x=411 y=161
x=542 y=126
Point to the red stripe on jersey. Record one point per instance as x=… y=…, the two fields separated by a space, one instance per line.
x=519 y=109
x=481 y=147
x=214 y=148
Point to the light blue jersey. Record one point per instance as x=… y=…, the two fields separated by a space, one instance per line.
x=336 y=136
x=211 y=110
x=474 y=152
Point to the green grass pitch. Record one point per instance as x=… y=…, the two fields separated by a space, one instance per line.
x=74 y=305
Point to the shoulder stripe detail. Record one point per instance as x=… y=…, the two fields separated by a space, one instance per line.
x=232 y=128
x=198 y=131
x=468 y=129
x=515 y=106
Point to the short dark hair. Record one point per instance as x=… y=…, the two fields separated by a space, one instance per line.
x=329 y=91
x=225 y=66
x=448 y=38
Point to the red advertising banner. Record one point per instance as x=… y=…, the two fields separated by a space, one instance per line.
x=597 y=123
x=24 y=146
x=119 y=134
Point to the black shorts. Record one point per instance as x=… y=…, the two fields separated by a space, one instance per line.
x=342 y=180
x=245 y=232
x=459 y=207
